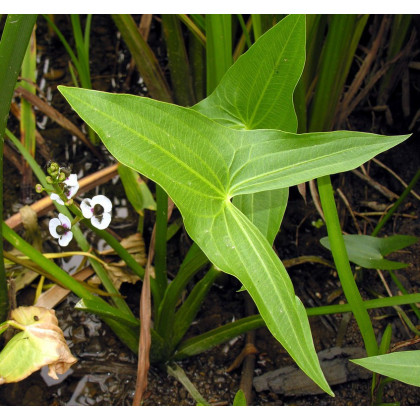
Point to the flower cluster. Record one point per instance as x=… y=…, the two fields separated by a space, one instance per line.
x=97 y=209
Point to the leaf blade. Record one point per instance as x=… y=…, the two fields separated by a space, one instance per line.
x=403 y=366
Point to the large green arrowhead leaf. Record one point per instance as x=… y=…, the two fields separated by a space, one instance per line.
x=202 y=165
x=403 y=365
x=369 y=251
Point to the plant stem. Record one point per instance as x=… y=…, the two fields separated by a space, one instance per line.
x=16 y=34
x=343 y=265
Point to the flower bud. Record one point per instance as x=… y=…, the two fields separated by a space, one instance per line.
x=61 y=177
x=39 y=188
x=49 y=180
x=69 y=202
x=53 y=168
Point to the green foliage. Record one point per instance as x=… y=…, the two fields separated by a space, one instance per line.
x=14 y=41
x=202 y=165
x=369 y=252
x=403 y=366
x=138 y=194
x=239 y=398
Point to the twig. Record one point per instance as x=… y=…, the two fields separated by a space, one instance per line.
x=145 y=322
x=249 y=361
x=397 y=308
x=315 y=197
x=144 y=29
x=382 y=165
x=58 y=118
x=361 y=75
x=347 y=204
x=383 y=190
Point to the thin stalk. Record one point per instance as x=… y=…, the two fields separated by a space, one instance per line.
x=343 y=265
x=245 y=39
x=245 y=31
x=27 y=115
x=394 y=208
x=14 y=40
x=195 y=30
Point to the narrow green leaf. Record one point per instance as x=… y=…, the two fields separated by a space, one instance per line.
x=14 y=40
x=144 y=58
x=178 y=61
x=369 y=252
x=403 y=366
x=218 y=48
x=209 y=339
x=189 y=309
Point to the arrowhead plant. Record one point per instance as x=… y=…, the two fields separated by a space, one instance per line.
x=227 y=164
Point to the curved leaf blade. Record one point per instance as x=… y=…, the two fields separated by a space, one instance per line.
x=403 y=365
x=369 y=252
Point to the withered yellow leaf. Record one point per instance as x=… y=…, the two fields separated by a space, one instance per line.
x=41 y=342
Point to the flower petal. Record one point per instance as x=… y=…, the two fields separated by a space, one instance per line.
x=71 y=191
x=86 y=207
x=56 y=197
x=71 y=180
x=65 y=221
x=101 y=222
x=103 y=201
x=66 y=238
x=53 y=227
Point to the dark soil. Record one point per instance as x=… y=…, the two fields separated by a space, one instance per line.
x=106 y=371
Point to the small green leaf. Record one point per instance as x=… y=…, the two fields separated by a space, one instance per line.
x=239 y=398
x=403 y=366
x=40 y=343
x=369 y=252
x=136 y=189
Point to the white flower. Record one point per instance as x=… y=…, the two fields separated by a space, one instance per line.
x=61 y=229
x=98 y=209
x=70 y=188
